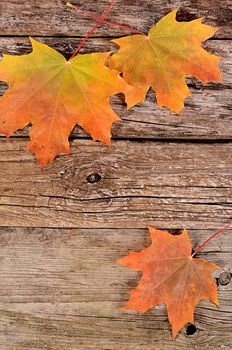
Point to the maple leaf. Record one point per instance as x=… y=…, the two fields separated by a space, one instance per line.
x=171 y=276
x=54 y=95
x=171 y=51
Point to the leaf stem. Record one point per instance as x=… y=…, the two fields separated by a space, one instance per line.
x=93 y=29
x=87 y=13
x=214 y=235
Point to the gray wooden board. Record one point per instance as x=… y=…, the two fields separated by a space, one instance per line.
x=62 y=289
x=61 y=235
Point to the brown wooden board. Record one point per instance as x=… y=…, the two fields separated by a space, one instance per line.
x=207 y=116
x=22 y=17
x=160 y=183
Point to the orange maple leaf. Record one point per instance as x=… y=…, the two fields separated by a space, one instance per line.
x=171 y=276
x=171 y=51
x=54 y=95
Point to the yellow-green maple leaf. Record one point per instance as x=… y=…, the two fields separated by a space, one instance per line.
x=54 y=95
x=171 y=51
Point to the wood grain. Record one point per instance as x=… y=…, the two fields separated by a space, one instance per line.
x=62 y=289
x=22 y=17
x=141 y=182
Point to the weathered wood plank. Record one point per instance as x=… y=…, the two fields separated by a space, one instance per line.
x=207 y=114
x=177 y=183
x=62 y=289
x=45 y=18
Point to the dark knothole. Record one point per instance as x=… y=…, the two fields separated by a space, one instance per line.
x=184 y=16
x=175 y=231
x=92 y=178
x=191 y=329
x=224 y=278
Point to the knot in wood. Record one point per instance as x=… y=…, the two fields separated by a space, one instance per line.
x=225 y=278
x=92 y=178
x=191 y=329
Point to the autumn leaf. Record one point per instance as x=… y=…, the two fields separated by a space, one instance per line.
x=171 y=276
x=171 y=51
x=54 y=95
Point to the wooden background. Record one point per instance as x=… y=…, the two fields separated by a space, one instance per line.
x=62 y=230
